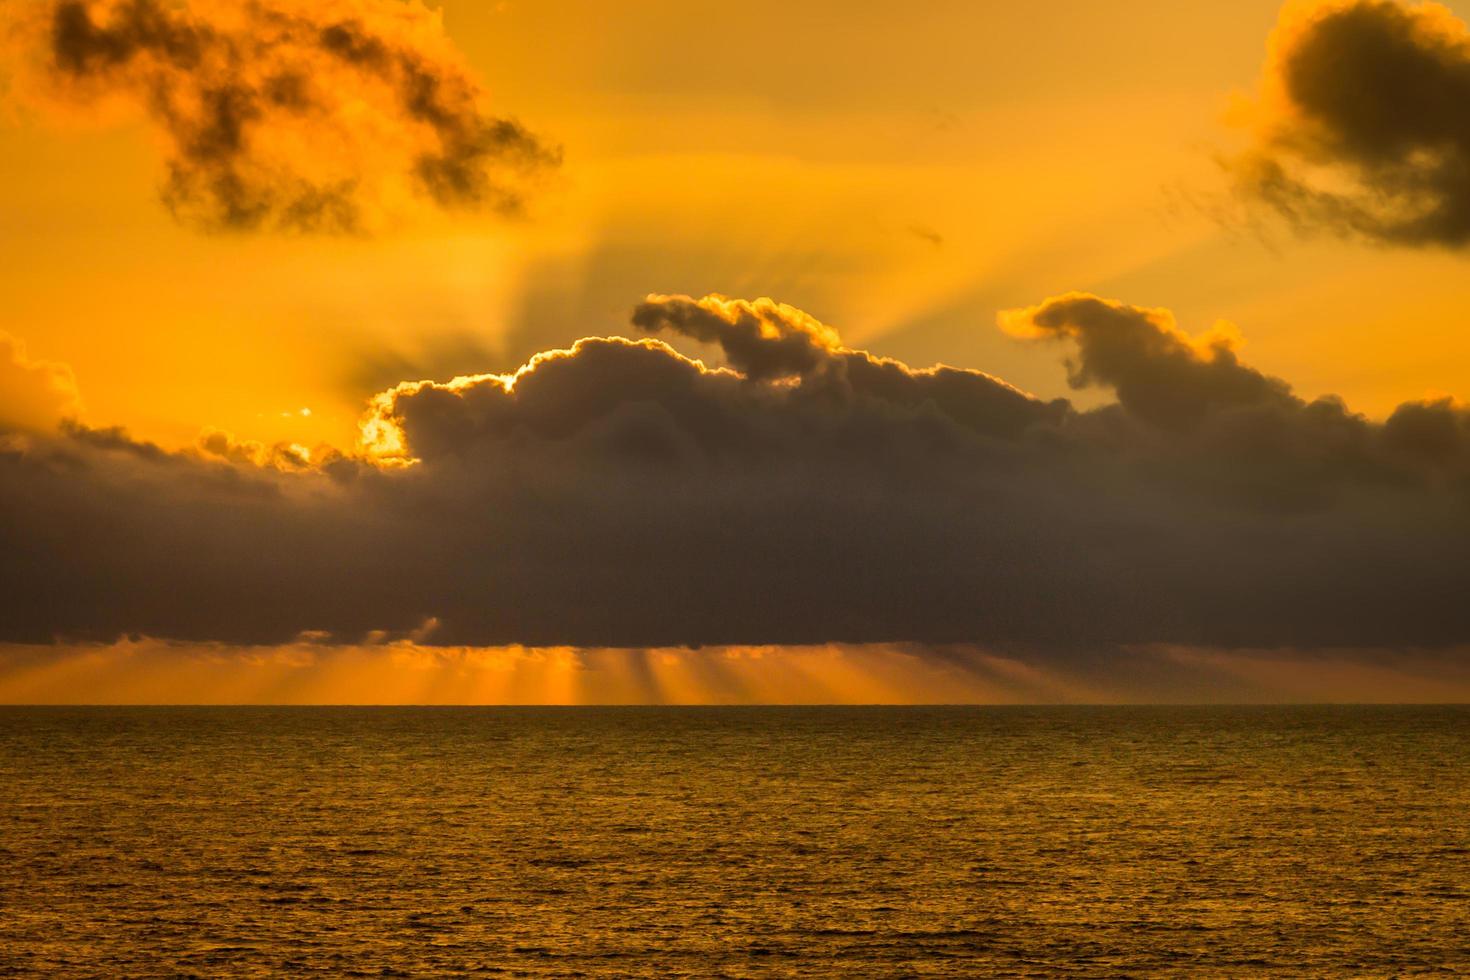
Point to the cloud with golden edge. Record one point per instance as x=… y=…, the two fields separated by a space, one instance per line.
x=1360 y=126
x=34 y=395
x=620 y=495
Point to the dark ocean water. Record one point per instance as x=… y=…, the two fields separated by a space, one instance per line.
x=1049 y=842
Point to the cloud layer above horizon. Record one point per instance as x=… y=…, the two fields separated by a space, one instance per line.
x=287 y=115
x=620 y=494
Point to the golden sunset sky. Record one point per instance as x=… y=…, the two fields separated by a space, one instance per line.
x=903 y=173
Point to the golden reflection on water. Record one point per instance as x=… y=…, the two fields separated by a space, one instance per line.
x=734 y=841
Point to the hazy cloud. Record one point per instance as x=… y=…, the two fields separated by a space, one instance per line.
x=1362 y=124
x=618 y=494
x=34 y=395
x=289 y=114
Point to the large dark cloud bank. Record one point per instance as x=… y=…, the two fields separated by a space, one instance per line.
x=620 y=494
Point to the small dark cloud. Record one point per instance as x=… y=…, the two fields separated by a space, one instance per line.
x=304 y=117
x=1159 y=373
x=1364 y=127
x=761 y=340
x=927 y=234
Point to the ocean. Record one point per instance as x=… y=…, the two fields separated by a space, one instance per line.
x=708 y=842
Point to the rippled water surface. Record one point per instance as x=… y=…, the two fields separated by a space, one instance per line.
x=738 y=842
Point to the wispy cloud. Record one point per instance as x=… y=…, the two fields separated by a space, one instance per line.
x=286 y=114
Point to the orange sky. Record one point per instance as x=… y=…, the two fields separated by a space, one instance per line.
x=903 y=176
x=902 y=173
x=151 y=672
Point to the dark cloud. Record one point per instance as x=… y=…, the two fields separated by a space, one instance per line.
x=1160 y=374
x=286 y=114
x=762 y=340
x=927 y=234
x=1365 y=127
x=618 y=494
